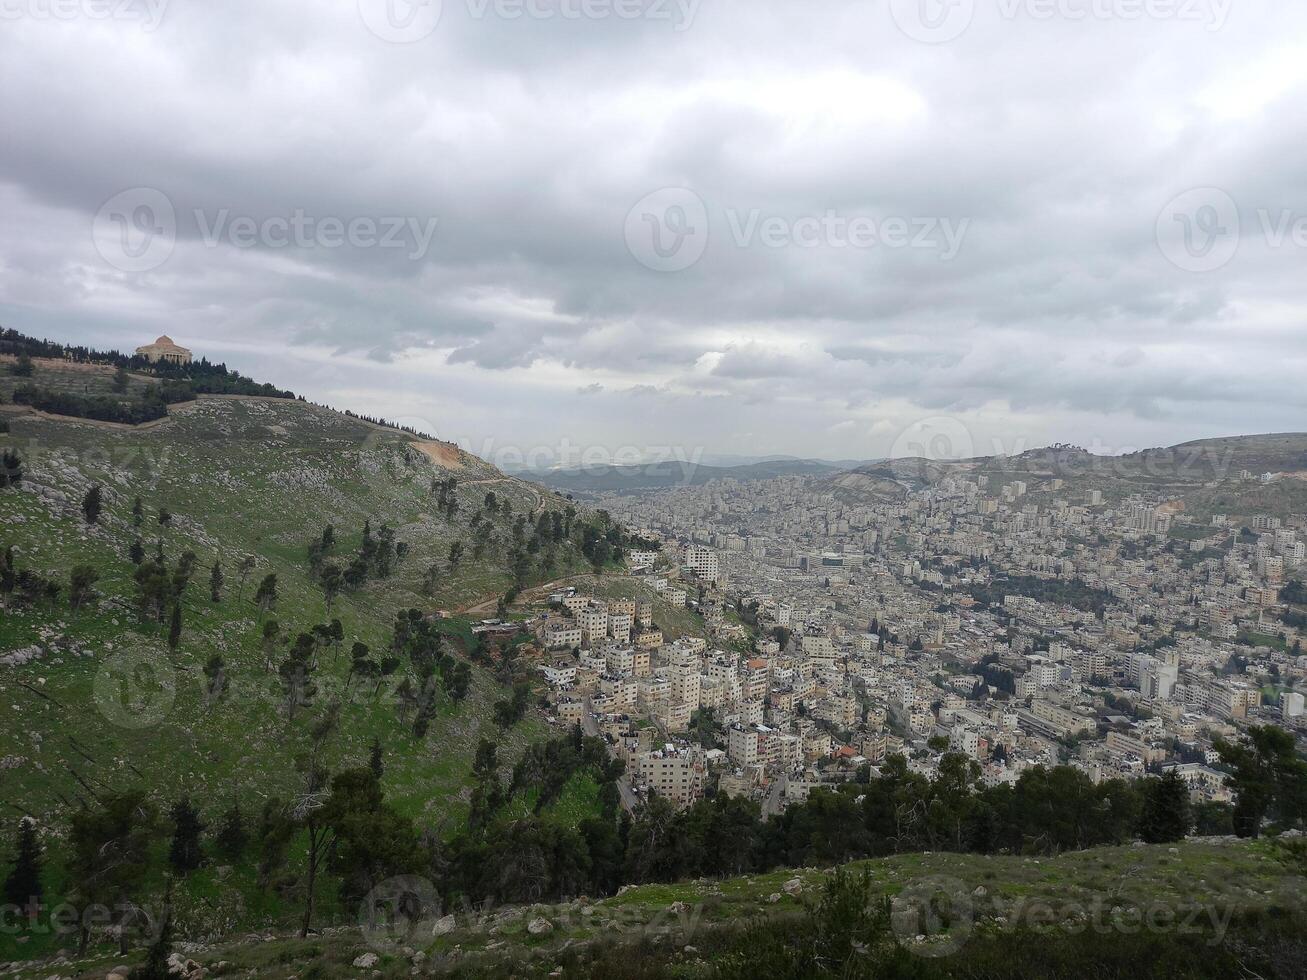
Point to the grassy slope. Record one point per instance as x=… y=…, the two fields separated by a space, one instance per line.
x=241 y=477
x=1123 y=881
x=71 y=379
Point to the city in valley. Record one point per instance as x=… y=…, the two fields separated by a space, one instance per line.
x=793 y=633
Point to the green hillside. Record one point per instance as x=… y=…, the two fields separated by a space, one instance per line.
x=95 y=701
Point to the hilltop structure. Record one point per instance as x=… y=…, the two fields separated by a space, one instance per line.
x=164 y=349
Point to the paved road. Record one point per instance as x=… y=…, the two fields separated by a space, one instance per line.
x=591 y=728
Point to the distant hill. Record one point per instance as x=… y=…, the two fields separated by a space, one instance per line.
x=670 y=474
x=1209 y=475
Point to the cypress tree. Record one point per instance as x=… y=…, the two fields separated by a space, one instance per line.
x=232 y=838
x=156 y=965
x=1166 y=814
x=92 y=504
x=185 y=853
x=175 y=627
x=23 y=884
x=216 y=579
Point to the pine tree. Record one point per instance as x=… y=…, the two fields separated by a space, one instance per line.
x=92 y=504
x=23 y=884
x=246 y=566
x=136 y=552
x=175 y=627
x=156 y=965
x=81 y=586
x=375 y=762
x=138 y=512
x=11 y=464
x=232 y=837
x=185 y=853
x=266 y=594
x=215 y=581
x=215 y=673
x=1166 y=815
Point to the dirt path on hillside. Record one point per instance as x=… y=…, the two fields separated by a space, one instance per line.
x=490 y=604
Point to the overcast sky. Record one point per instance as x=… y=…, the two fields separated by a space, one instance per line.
x=839 y=228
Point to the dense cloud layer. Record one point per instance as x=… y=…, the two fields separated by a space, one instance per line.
x=750 y=227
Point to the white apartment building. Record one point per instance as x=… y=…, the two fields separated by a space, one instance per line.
x=561 y=637
x=593 y=622
x=674 y=775
x=703 y=562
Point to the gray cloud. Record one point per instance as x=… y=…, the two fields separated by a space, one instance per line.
x=1057 y=142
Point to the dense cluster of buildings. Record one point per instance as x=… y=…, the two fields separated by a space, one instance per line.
x=1020 y=624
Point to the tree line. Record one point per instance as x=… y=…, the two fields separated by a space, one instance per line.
x=339 y=827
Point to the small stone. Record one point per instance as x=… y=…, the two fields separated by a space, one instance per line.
x=540 y=927
x=366 y=960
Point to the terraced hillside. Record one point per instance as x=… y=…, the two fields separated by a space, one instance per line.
x=90 y=380
x=94 y=698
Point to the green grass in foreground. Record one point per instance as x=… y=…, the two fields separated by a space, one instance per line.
x=1188 y=910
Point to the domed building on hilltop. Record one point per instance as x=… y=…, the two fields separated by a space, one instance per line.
x=164 y=349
